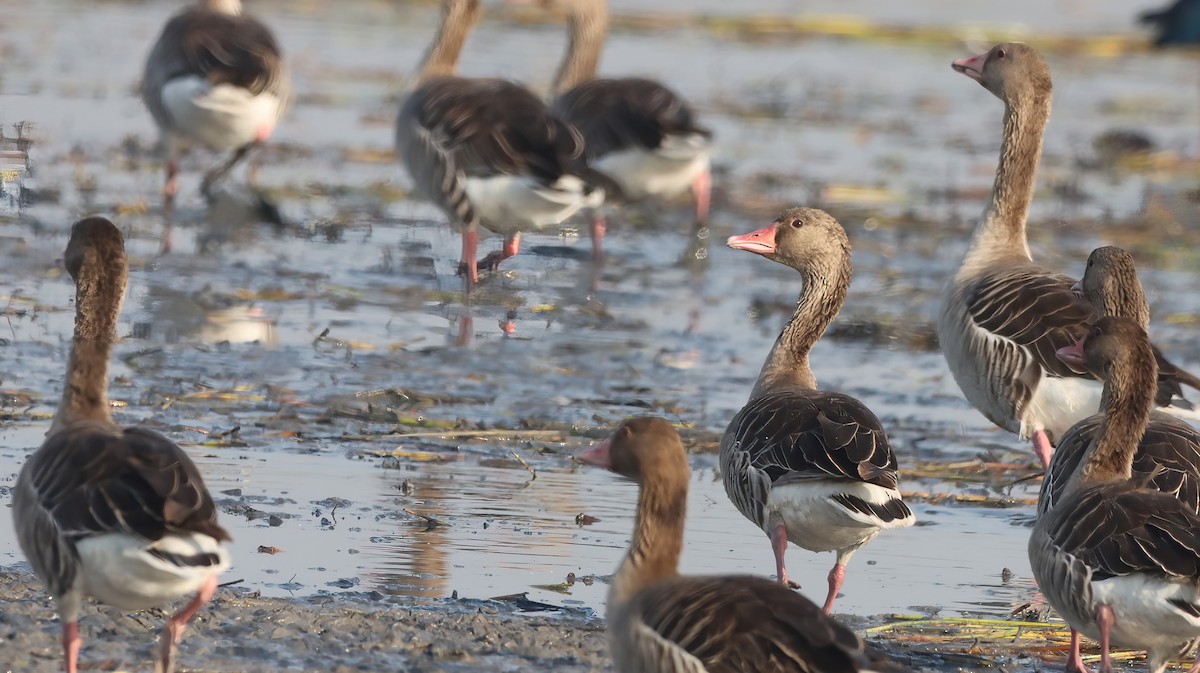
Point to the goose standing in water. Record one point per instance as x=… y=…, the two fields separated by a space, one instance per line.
x=487 y=151
x=214 y=77
x=1003 y=316
x=636 y=131
x=662 y=622
x=1116 y=556
x=117 y=514
x=1168 y=453
x=806 y=465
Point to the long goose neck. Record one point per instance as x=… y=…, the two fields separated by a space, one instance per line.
x=587 y=26
x=98 y=297
x=825 y=288
x=458 y=17
x=1127 y=402
x=1001 y=234
x=657 y=539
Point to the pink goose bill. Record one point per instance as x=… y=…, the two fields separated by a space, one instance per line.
x=761 y=241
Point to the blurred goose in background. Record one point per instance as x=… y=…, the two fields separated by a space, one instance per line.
x=214 y=77
x=1168 y=453
x=636 y=131
x=1003 y=316
x=1177 y=24
x=1117 y=557
x=488 y=152
x=120 y=515
x=806 y=465
x=662 y=622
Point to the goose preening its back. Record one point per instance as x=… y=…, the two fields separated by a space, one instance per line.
x=662 y=622
x=120 y=515
x=214 y=77
x=488 y=152
x=1002 y=315
x=637 y=131
x=809 y=466
x=1116 y=556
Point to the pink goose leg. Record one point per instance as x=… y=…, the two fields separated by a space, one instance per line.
x=173 y=631
x=1105 y=620
x=512 y=245
x=71 y=643
x=599 y=227
x=1042 y=447
x=702 y=192
x=1075 y=660
x=836 y=577
x=779 y=543
x=470 y=247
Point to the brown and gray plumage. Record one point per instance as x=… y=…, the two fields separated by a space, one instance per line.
x=488 y=152
x=637 y=131
x=805 y=465
x=214 y=77
x=1170 y=447
x=1003 y=316
x=661 y=622
x=120 y=515
x=1168 y=454
x=1116 y=556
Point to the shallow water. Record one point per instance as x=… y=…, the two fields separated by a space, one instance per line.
x=280 y=335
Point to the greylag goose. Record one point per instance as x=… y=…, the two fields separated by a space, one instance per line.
x=636 y=131
x=806 y=465
x=1003 y=316
x=1168 y=454
x=214 y=77
x=1116 y=556
x=488 y=152
x=117 y=514
x=661 y=622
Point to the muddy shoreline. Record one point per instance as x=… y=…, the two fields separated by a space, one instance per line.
x=244 y=632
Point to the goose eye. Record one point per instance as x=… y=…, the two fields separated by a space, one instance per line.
x=1000 y=53
x=1090 y=263
x=797 y=223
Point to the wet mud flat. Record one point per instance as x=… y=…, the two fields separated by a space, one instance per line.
x=245 y=632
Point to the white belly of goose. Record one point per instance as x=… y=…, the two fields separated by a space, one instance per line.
x=120 y=570
x=508 y=204
x=671 y=169
x=817 y=522
x=1144 y=613
x=1059 y=403
x=221 y=117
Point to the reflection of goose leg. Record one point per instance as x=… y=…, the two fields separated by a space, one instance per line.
x=170 y=189
x=465 y=329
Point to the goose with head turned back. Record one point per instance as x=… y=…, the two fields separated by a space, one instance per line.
x=806 y=465
x=117 y=514
x=487 y=151
x=1168 y=454
x=662 y=622
x=1116 y=556
x=1002 y=316
x=636 y=131
x=216 y=77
